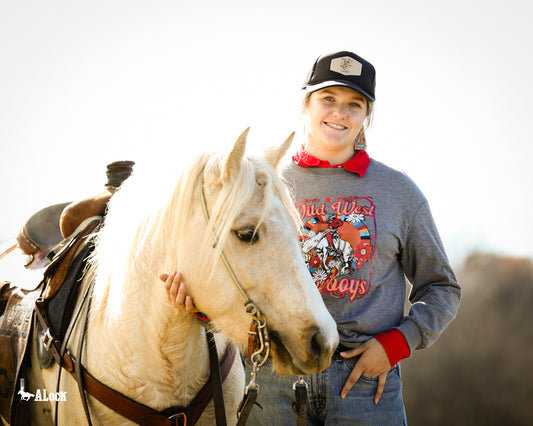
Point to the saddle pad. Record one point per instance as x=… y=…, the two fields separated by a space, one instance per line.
x=15 y=331
x=60 y=306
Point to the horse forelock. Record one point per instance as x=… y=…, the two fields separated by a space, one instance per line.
x=256 y=180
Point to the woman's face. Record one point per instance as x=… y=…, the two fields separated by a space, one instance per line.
x=335 y=117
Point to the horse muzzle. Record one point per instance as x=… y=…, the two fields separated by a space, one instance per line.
x=309 y=354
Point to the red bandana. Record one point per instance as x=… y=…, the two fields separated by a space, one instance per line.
x=357 y=164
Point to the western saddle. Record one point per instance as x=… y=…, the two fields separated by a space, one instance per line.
x=24 y=264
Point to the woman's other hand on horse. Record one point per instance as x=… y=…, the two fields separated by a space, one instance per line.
x=177 y=292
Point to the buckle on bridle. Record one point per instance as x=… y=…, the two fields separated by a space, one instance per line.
x=258 y=339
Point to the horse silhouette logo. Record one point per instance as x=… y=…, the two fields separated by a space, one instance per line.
x=25 y=396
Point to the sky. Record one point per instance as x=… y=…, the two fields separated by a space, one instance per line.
x=85 y=83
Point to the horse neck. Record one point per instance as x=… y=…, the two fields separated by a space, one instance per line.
x=146 y=343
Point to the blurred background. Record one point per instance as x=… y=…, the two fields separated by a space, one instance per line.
x=83 y=84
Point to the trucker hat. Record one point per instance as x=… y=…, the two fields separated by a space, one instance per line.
x=342 y=69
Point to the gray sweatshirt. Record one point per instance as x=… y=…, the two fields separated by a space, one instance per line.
x=362 y=236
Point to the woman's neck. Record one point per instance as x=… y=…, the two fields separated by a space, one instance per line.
x=332 y=156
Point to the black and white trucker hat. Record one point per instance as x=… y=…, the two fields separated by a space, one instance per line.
x=342 y=69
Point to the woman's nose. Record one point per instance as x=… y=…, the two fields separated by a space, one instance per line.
x=339 y=111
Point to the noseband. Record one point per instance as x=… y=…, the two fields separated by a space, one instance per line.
x=259 y=340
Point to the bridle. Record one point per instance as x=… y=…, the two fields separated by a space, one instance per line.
x=258 y=337
x=259 y=340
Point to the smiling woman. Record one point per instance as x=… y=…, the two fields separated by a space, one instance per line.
x=366 y=228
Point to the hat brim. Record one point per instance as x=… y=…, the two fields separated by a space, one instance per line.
x=310 y=88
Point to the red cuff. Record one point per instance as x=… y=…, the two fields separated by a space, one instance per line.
x=394 y=343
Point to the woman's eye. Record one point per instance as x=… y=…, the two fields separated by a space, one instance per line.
x=247 y=235
x=355 y=105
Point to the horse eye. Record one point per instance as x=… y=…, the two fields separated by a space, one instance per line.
x=247 y=235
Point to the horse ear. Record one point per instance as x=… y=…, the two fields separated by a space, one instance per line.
x=233 y=162
x=274 y=154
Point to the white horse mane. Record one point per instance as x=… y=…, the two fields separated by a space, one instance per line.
x=148 y=216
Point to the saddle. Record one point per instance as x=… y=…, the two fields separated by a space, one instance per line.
x=56 y=292
x=51 y=225
x=45 y=261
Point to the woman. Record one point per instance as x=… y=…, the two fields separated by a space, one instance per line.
x=366 y=228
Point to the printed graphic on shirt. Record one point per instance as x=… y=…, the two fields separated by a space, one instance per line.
x=338 y=243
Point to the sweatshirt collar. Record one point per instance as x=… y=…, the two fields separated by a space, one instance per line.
x=357 y=164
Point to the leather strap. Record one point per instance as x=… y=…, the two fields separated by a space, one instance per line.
x=246 y=406
x=300 y=404
x=253 y=339
x=216 y=380
x=81 y=339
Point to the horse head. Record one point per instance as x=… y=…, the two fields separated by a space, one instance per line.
x=253 y=224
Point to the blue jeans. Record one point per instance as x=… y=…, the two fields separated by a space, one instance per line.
x=325 y=406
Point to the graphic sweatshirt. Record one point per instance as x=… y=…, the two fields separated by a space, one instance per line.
x=364 y=232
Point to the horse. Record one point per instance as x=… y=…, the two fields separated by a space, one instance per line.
x=137 y=343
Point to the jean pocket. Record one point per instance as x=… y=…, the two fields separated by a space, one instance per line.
x=348 y=365
x=374 y=379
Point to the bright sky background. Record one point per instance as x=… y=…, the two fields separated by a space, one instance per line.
x=85 y=83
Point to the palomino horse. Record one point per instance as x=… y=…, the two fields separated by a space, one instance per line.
x=140 y=345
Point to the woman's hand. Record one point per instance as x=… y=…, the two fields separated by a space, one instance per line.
x=177 y=292
x=373 y=362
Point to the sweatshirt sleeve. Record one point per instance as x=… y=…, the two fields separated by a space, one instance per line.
x=435 y=293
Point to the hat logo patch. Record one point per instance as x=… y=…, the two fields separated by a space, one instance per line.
x=346 y=66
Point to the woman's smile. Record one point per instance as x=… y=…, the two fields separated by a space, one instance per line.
x=335 y=125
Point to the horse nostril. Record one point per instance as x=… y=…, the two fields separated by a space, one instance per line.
x=318 y=345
